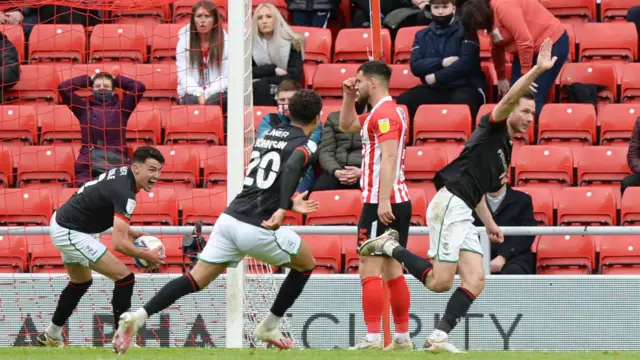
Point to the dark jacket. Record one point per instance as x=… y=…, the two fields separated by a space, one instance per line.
x=56 y=14
x=108 y=122
x=633 y=155
x=339 y=149
x=433 y=44
x=9 y=59
x=515 y=210
x=294 y=69
x=312 y=5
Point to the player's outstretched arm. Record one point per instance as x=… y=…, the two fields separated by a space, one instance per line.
x=349 y=122
x=506 y=105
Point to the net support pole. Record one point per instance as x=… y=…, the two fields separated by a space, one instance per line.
x=238 y=49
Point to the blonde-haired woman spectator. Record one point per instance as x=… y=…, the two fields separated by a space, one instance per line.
x=277 y=53
x=202 y=58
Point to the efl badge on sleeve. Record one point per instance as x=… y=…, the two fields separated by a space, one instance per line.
x=131 y=205
x=383 y=124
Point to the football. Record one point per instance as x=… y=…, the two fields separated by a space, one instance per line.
x=148 y=242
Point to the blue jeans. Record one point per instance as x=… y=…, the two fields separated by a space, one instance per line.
x=545 y=81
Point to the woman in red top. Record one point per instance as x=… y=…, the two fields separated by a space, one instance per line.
x=518 y=27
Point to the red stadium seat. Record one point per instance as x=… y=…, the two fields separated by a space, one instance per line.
x=419 y=245
x=18 y=126
x=356 y=45
x=15 y=34
x=565 y=254
x=591 y=73
x=542 y=204
x=419 y=203
x=317 y=49
x=328 y=80
x=144 y=126
x=181 y=168
x=22 y=207
x=617 y=122
x=259 y=112
x=38 y=84
x=6 y=168
x=630 y=207
x=402 y=80
x=215 y=168
x=149 y=17
x=338 y=207
x=453 y=152
x=571 y=124
x=351 y=257
x=404 y=43
x=59 y=125
x=175 y=261
x=57 y=42
x=118 y=42
x=602 y=166
x=575 y=12
x=421 y=163
x=45 y=258
x=202 y=204
x=46 y=166
x=484 y=109
x=191 y=124
x=61 y=196
x=159 y=207
x=14 y=254
x=442 y=124
x=615 y=10
x=583 y=206
x=613 y=43
x=619 y=255
x=164 y=41
x=160 y=80
x=541 y=165
x=630 y=90
x=327 y=251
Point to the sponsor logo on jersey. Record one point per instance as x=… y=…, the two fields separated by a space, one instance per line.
x=383 y=125
x=131 y=205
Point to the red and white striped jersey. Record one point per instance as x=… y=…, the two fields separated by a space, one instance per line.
x=386 y=121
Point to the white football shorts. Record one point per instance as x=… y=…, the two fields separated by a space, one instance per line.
x=74 y=246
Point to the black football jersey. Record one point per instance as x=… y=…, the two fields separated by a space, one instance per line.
x=92 y=208
x=485 y=158
x=260 y=196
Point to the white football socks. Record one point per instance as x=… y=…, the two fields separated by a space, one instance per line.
x=401 y=337
x=54 y=331
x=271 y=322
x=373 y=337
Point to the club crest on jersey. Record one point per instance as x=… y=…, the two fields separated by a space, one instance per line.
x=131 y=205
x=383 y=125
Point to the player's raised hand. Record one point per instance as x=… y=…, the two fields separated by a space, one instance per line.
x=545 y=58
x=385 y=213
x=154 y=257
x=275 y=221
x=302 y=206
x=349 y=87
x=495 y=233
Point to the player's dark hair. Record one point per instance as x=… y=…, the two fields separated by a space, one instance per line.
x=376 y=69
x=147 y=152
x=442 y=2
x=289 y=85
x=305 y=106
x=103 y=76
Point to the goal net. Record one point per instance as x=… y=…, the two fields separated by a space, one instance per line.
x=85 y=83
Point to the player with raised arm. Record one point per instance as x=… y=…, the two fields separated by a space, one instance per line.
x=481 y=168
x=251 y=224
x=108 y=201
x=385 y=195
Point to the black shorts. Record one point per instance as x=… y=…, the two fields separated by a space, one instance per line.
x=370 y=225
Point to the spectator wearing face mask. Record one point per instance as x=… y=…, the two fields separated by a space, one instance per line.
x=103 y=120
x=285 y=91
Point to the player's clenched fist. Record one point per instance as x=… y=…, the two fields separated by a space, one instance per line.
x=349 y=87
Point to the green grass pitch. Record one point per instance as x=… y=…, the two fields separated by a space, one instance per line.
x=272 y=354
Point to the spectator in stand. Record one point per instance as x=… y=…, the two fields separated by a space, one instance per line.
x=103 y=120
x=52 y=14
x=511 y=208
x=447 y=63
x=10 y=64
x=286 y=90
x=202 y=58
x=633 y=15
x=314 y=13
x=633 y=159
x=361 y=14
x=519 y=27
x=340 y=157
x=277 y=54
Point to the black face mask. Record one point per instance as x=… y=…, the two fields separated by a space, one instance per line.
x=442 y=21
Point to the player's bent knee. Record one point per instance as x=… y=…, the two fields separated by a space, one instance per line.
x=370 y=266
x=474 y=283
x=110 y=266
